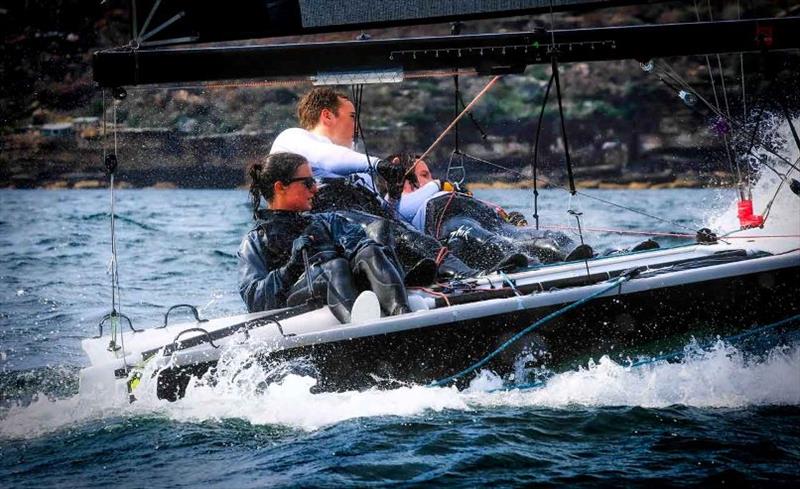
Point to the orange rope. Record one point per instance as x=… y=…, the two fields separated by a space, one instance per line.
x=655 y=233
x=444 y=211
x=443 y=251
x=619 y=231
x=433 y=293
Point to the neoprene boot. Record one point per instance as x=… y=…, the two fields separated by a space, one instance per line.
x=545 y=249
x=452 y=268
x=420 y=273
x=332 y=280
x=580 y=252
x=384 y=280
x=478 y=247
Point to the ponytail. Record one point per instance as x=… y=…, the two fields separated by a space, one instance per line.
x=255 y=191
x=277 y=167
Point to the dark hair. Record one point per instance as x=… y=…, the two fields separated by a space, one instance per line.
x=277 y=167
x=314 y=102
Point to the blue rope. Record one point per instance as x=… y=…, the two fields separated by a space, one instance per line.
x=666 y=357
x=614 y=284
x=509 y=282
x=729 y=339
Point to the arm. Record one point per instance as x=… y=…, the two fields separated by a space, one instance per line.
x=262 y=286
x=412 y=201
x=322 y=154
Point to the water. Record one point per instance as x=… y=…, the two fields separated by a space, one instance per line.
x=717 y=417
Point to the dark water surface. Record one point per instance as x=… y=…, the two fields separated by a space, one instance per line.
x=719 y=418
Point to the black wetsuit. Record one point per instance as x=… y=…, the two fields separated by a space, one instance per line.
x=413 y=248
x=482 y=239
x=342 y=259
x=475 y=236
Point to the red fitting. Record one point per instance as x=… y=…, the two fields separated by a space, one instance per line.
x=746 y=217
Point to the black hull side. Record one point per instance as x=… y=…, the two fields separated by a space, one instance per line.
x=636 y=323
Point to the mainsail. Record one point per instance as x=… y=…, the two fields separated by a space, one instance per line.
x=158 y=22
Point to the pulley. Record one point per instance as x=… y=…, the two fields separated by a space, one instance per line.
x=111 y=163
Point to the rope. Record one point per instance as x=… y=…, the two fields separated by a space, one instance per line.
x=510 y=283
x=563 y=127
x=116 y=296
x=441 y=215
x=636 y=211
x=621 y=231
x=440 y=256
x=754 y=331
x=433 y=293
x=358 y=94
x=614 y=284
x=452 y=124
x=666 y=235
x=535 y=151
x=675 y=355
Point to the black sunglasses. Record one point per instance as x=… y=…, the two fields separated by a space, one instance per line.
x=309 y=182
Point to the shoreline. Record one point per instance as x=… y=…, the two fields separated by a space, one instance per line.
x=680 y=183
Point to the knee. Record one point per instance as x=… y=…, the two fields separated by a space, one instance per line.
x=336 y=265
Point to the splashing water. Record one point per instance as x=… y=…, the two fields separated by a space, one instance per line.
x=782 y=218
x=721 y=377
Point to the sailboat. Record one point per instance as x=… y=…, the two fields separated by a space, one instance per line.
x=743 y=283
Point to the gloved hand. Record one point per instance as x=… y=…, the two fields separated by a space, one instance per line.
x=295 y=266
x=298 y=245
x=393 y=173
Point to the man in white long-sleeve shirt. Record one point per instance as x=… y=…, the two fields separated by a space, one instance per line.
x=328 y=120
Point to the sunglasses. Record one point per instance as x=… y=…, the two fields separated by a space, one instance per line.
x=309 y=182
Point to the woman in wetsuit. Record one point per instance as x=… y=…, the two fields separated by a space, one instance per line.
x=288 y=242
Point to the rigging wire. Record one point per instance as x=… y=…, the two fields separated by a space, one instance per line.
x=570 y=175
x=535 y=151
x=547 y=183
x=472 y=118
x=428 y=151
x=358 y=130
x=768 y=208
x=116 y=299
x=735 y=126
x=741 y=66
x=550 y=184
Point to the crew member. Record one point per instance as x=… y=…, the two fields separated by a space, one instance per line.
x=328 y=120
x=340 y=256
x=481 y=234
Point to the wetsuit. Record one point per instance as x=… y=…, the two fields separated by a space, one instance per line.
x=342 y=259
x=473 y=230
x=413 y=248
